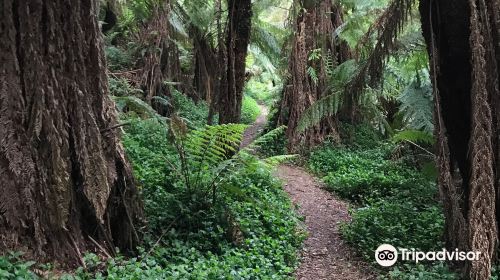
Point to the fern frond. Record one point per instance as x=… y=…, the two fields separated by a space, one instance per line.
x=326 y=106
x=416 y=136
x=269 y=137
x=213 y=144
x=416 y=106
x=388 y=26
x=277 y=160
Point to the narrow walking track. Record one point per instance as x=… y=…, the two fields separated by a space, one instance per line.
x=325 y=254
x=253 y=131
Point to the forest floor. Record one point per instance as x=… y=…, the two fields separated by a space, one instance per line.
x=325 y=254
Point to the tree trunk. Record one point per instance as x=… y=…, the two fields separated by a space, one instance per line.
x=63 y=173
x=220 y=67
x=315 y=24
x=154 y=36
x=238 y=38
x=462 y=39
x=205 y=67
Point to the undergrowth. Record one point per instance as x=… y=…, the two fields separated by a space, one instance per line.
x=250 y=232
x=261 y=92
x=393 y=202
x=250 y=110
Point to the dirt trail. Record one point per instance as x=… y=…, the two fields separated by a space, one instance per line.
x=253 y=131
x=325 y=255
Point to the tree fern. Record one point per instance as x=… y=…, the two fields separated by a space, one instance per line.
x=205 y=154
x=266 y=139
x=416 y=106
x=416 y=136
x=279 y=159
x=330 y=104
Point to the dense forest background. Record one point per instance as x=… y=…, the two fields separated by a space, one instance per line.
x=167 y=139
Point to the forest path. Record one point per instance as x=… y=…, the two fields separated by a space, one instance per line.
x=325 y=255
x=253 y=131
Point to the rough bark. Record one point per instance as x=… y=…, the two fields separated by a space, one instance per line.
x=220 y=79
x=462 y=39
x=63 y=174
x=314 y=28
x=154 y=36
x=238 y=38
x=205 y=73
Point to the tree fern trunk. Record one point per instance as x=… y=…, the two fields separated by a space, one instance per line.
x=238 y=37
x=462 y=42
x=315 y=25
x=63 y=174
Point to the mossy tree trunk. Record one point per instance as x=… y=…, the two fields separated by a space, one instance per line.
x=63 y=173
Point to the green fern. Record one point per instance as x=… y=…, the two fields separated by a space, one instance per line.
x=277 y=160
x=326 y=106
x=416 y=106
x=312 y=74
x=267 y=138
x=416 y=136
x=213 y=144
x=206 y=155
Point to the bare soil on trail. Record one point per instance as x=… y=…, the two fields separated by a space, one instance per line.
x=325 y=255
x=253 y=131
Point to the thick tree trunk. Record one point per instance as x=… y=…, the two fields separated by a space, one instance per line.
x=154 y=36
x=315 y=24
x=238 y=37
x=63 y=173
x=462 y=39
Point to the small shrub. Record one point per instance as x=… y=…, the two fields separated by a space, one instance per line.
x=12 y=267
x=437 y=271
x=250 y=110
x=399 y=223
x=360 y=136
x=260 y=92
x=195 y=113
x=249 y=233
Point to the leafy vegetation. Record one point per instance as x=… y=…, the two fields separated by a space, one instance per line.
x=250 y=110
x=348 y=83
x=248 y=232
x=260 y=91
x=393 y=203
x=12 y=267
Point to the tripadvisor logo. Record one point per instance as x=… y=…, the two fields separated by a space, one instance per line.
x=387 y=255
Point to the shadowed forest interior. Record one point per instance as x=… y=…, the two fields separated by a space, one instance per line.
x=249 y=139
